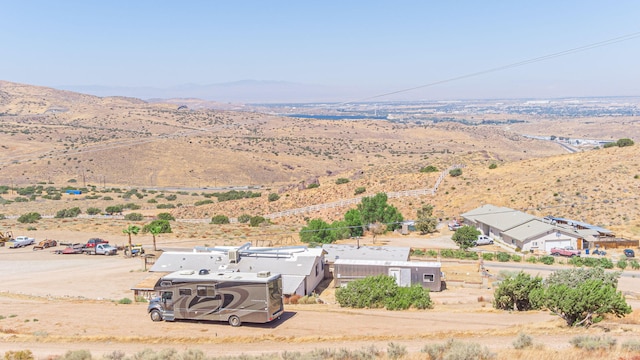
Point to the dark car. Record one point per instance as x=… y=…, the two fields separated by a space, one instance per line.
x=629 y=253
x=95 y=241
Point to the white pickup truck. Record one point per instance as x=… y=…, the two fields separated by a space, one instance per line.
x=101 y=249
x=20 y=241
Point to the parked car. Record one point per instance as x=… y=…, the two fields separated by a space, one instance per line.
x=94 y=241
x=567 y=251
x=454 y=225
x=45 y=244
x=483 y=240
x=21 y=241
x=629 y=253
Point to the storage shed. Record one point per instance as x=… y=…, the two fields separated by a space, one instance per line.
x=406 y=273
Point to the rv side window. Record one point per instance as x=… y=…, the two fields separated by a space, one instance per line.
x=167 y=295
x=184 y=292
x=206 y=291
x=165 y=283
x=427 y=277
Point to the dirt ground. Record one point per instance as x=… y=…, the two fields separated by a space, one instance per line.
x=52 y=303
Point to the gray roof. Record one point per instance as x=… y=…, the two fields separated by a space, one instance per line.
x=538 y=227
x=501 y=218
x=429 y=264
x=389 y=253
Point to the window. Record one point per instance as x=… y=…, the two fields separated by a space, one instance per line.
x=206 y=291
x=184 y=292
x=167 y=295
x=427 y=277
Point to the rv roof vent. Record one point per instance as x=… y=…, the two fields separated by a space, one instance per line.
x=203 y=272
x=264 y=274
x=187 y=272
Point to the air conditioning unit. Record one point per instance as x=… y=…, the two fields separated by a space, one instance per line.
x=234 y=256
x=264 y=274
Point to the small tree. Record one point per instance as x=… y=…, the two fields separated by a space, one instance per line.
x=131 y=230
x=134 y=217
x=425 y=222
x=624 y=142
x=465 y=236
x=29 y=218
x=375 y=209
x=220 y=219
x=513 y=292
x=316 y=231
x=166 y=216
x=353 y=219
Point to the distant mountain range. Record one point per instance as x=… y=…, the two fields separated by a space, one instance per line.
x=246 y=91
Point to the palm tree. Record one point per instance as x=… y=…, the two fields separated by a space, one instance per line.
x=155 y=230
x=132 y=229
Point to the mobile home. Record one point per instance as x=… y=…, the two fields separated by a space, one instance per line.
x=407 y=273
x=235 y=297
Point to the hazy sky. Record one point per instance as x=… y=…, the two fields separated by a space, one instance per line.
x=363 y=48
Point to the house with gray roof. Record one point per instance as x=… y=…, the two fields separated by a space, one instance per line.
x=541 y=235
x=354 y=252
x=493 y=220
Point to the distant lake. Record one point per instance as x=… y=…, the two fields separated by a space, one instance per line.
x=337 y=117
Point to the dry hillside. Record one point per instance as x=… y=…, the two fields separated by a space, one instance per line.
x=50 y=137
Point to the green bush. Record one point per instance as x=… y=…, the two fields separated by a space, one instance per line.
x=382 y=291
x=493 y=166
x=257 y=221
x=125 y=301
x=532 y=259
x=19 y=355
x=29 y=218
x=114 y=209
x=93 y=211
x=220 y=219
x=244 y=218
x=547 y=259
x=487 y=256
x=455 y=172
x=273 y=197
x=313 y=186
x=428 y=169
x=622 y=264
x=342 y=181
x=68 y=213
x=203 y=202
x=503 y=256
x=134 y=217
x=634 y=264
x=165 y=206
x=360 y=190
x=166 y=216
x=516 y=258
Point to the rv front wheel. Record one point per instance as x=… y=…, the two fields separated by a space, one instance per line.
x=234 y=321
x=156 y=315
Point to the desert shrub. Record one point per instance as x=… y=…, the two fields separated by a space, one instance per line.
x=114 y=355
x=220 y=219
x=273 y=197
x=487 y=256
x=20 y=199
x=313 y=186
x=417 y=252
x=68 y=213
x=428 y=169
x=93 y=211
x=532 y=259
x=203 y=202
x=432 y=253
x=114 y=209
x=631 y=345
x=257 y=221
x=458 y=350
x=503 y=256
x=76 y=355
x=624 y=142
x=360 y=190
x=244 y=218
x=3 y=216
x=107 y=198
x=234 y=195
x=19 y=355
x=493 y=166
x=165 y=206
x=455 y=172
x=622 y=264
x=152 y=201
x=396 y=351
x=342 y=181
x=166 y=216
x=588 y=342
x=516 y=258
x=134 y=216
x=523 y=341
x=547 y=259
x=29 y=218
x=140 y=299
x=382 y=291
x=634 y=264
x=171 y=197
x=125 y=301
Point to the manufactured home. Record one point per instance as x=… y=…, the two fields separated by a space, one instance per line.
x=407 y=273
x=234 y=297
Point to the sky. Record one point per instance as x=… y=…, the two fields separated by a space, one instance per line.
x=351 y=49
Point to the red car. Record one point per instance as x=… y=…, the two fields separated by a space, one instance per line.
x=94 y=241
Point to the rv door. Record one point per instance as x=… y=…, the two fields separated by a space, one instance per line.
x=167 y=300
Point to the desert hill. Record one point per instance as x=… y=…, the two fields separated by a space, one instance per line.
x=49 y=136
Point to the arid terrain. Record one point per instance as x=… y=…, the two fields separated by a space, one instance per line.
x=109 y=147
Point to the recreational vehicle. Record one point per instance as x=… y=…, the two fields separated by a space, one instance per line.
x=235 y=297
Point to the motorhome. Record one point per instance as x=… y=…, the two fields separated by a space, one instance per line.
x=235 y=297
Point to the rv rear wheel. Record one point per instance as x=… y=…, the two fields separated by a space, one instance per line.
x=156 y=315
x=234 y=321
